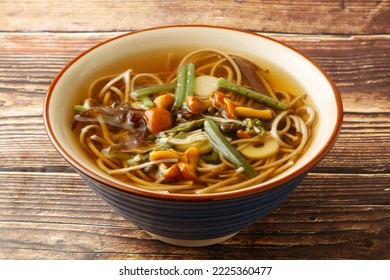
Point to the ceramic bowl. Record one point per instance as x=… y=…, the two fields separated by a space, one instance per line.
x=191 y=220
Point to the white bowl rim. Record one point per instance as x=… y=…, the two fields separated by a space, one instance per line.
x=191 y=197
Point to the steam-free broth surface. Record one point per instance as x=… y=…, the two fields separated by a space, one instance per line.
x=194 y=122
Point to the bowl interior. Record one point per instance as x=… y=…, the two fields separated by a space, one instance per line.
x=135 y=50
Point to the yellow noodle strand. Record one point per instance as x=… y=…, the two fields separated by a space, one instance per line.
x=100 y=155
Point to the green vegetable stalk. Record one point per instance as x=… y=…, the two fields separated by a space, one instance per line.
x=184 y=127
x=190 y=79
x=266 y=100
x=147 y=102
x=181 y=86
x=146 y=91
x=220 y=143
x=185 y=83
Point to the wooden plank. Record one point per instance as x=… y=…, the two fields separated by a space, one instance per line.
x=50 y=221
x=264 y=240
x=300 y=17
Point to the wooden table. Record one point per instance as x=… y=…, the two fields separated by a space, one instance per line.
x=340 y=211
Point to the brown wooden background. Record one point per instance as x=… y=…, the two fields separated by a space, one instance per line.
x=340 y=211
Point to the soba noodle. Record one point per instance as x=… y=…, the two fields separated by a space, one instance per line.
x=213 y=124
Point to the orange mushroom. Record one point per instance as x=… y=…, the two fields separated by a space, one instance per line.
x=184 y=170
x=158 y=119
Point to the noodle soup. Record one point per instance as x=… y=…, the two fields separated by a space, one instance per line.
x=202 y=122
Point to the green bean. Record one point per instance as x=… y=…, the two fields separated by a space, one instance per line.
x=146 y=91
x=220 y=143
x=184 y=127
x=266 y=100
x=146 y=101
x=180 y=86
x=190 y=79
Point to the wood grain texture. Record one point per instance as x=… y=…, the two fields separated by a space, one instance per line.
x=302 y=17
x=320 y=220
x=340 y=211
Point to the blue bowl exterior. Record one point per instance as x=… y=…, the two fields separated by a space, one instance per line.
x=193 y=220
